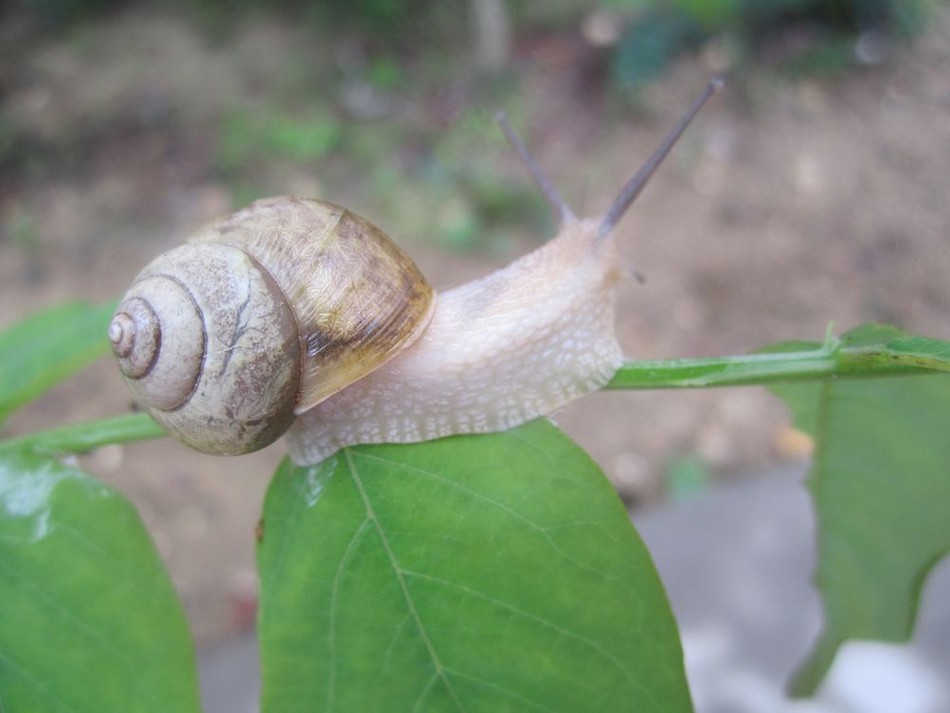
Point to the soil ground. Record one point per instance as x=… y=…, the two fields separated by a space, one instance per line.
x=790 y=205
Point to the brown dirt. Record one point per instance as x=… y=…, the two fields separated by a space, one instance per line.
x=791 y=204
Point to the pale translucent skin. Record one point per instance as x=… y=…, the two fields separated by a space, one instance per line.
x=516 y=344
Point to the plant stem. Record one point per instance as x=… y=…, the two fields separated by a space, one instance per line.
x=822 y=362
x=86 y=436
x=828 y=361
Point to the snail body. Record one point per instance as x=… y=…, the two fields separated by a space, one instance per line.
x=298 y=316
x=516 y=344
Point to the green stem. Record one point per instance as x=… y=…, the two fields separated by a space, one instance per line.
x=86 y=436
x=828 y=361
x=823 y=362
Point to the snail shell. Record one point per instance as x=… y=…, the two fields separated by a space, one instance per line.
x=262 y=315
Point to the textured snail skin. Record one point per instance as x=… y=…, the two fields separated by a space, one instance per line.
x=516 y=344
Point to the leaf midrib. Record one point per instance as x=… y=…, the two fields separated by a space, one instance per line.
x=440 y=669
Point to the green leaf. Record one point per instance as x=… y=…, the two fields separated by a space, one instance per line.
x=47 y=347
x=885 y=342
x=89 y=621
x=881 y=483
x=478 y=573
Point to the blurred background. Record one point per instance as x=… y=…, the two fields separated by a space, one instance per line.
x=814 y=189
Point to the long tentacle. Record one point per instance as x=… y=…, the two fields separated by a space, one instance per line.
x=639 y=180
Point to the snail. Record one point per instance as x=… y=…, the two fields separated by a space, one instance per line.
x=297 y=317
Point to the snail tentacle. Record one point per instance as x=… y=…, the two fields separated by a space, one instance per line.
x=633 y=187
x=562 y=212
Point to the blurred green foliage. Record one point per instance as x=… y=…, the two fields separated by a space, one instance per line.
x=892 y=16
x=443 y=186
x=389 y=21
x=386 y=73
x=687 y=475
x=246 y=138
x=651 y=42
x=811 y=36
x=57 y=13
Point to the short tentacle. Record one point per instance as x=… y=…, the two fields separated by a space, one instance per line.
x=561 y=210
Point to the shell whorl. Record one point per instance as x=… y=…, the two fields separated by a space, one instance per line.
x=357 y=297
x=211 y=348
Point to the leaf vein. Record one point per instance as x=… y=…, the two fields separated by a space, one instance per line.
x=44 y=688
x=545 y=532
x=54 y=605
x=440 y=670
x=501 y=689
x=334 y=592
x=526 y=615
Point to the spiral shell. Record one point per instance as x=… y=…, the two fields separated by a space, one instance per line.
x=262 y=315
